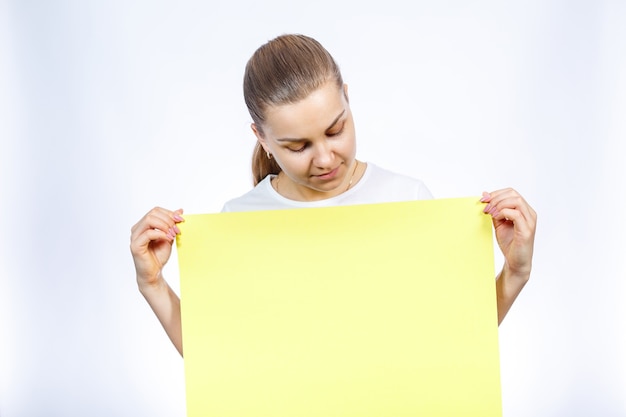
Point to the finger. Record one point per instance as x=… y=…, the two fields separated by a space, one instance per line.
x=140 y=242
x=518 y=203
x=498 y=195
x=494 y=197
x=524 y=230
x=158 y=218
x=512 y=215
x=152 y=223
x=178 y=216
x=167 y=215
x=155 y=212
x=509 y=198
x=520 y=223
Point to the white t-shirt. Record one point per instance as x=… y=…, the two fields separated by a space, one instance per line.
x=376 y=186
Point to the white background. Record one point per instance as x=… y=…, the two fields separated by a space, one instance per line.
x=109 y=108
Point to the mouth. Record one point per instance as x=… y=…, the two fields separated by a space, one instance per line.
x=328 y=175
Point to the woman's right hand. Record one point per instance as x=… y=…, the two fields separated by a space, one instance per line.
x=151 y=242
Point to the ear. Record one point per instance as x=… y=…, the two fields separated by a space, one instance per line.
x=345 y=92
x=259 y=136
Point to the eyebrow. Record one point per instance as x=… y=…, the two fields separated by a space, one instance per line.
x=303 y=139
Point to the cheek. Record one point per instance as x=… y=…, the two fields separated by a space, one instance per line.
x=350 y=135
x=293 y=163
x=348 y=146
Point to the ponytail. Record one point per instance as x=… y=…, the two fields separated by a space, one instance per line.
x=262 y=166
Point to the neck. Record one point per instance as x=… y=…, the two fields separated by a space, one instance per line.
x=289 y=189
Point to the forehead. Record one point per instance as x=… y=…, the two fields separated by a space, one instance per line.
x=308 y=116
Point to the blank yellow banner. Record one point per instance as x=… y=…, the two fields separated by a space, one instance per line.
x=382 y=310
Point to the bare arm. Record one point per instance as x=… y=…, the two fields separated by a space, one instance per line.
x=166 y=306
x=508 y=287
x=151 y=246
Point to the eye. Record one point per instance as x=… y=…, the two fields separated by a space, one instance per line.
x=336 y=130
x=299 y=149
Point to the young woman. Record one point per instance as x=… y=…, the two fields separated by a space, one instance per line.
x=305 y=156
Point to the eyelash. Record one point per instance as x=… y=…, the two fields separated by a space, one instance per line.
x=339 y=132
x=330 y=135
x=299 y=149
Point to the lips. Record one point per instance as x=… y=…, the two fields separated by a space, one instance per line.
x=329 y=175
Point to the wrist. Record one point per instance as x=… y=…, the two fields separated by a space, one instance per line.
x=517 y=274
x=150 y=285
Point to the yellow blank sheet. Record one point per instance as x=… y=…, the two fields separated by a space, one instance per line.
x=381 y=310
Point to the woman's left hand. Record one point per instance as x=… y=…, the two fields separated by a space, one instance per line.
x=515 y=223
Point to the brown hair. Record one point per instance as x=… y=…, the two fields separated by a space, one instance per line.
x=283 y=71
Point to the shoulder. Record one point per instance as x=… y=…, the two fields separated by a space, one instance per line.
x=389 y=186
x=261 y=197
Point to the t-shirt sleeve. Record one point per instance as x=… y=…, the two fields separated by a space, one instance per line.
x=423 y=193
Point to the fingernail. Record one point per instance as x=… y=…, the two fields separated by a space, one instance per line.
x=487 y=208
x=485 y=196
x=178 y=218
x=176 y=229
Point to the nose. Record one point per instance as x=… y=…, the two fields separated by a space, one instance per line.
x=324 y=155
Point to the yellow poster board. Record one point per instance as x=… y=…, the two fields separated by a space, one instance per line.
x=370 y=310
